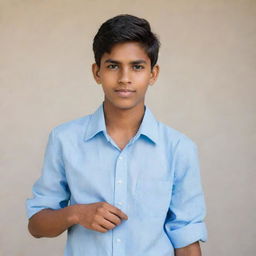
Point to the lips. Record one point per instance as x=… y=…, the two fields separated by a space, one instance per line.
x=124 y=92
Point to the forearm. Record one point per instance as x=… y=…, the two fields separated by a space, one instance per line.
x=190 y=250
x=51 y=223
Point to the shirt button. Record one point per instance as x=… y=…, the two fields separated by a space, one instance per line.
x=120 y=157
x=119 y=181
x=120 y=203
x=118 y=240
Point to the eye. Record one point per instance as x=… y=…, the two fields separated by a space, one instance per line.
x=138 y=67
x=112 y=66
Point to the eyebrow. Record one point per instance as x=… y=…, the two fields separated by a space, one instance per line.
x=132 y=62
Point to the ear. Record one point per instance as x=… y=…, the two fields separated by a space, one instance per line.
x=95 y=71
x=154 y=74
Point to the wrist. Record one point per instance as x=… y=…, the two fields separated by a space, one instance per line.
x=73 y=217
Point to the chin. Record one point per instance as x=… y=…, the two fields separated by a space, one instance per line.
x=123 y=104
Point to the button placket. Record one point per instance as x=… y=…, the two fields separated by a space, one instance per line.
x=120 y=191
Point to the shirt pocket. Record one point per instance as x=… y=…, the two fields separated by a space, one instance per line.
x=153 y=197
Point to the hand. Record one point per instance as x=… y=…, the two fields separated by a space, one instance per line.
x=100 y=216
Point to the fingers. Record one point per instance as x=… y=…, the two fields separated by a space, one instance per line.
x=100 y=216
x=103 y=225
x=108 y=217
x=118 y=212
x=114 y=210
x=106 y=224
x=112 y=218
x=98 y=227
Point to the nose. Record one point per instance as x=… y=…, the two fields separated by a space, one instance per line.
x=124 y=76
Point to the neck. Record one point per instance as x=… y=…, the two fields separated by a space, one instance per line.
x=125 y=120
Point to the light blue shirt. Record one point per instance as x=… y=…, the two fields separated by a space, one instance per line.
x=155 y=180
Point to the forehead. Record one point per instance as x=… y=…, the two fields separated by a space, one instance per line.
x=126 y=52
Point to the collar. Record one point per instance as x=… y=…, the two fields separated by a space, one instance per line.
x=97 y=124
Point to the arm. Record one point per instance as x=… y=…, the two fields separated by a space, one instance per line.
x=51 y=223
x=48 y=211
x=184 y=223
x=190 y=250
x=99 y=216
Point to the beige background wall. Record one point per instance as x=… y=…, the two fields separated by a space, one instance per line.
x=206 y=89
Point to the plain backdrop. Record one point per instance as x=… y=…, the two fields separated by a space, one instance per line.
x=206 y=89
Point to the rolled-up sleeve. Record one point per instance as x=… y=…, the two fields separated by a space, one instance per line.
x=51 y=189
x=185 y=219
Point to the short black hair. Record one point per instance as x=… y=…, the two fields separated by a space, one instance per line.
x=125 y=28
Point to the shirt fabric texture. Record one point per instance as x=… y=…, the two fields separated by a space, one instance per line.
x=155 y=180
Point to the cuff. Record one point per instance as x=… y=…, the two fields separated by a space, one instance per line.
x=37 y=204
x=188 y=234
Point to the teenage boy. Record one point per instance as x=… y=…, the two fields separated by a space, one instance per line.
x=118 y=180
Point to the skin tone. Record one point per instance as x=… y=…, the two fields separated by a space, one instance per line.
x=100 y=216
x=190 y=250
x=124 y=74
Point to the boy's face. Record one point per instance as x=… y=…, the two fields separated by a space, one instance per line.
x=125 y=74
